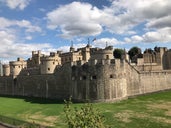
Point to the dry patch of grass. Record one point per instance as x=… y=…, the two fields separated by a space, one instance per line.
x=39 y=118
x=163 y=105
x=126 y=115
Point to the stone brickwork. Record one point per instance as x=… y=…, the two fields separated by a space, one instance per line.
x=101 y=78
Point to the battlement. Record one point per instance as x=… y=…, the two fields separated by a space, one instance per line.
x=88 y=73
x=36 y=53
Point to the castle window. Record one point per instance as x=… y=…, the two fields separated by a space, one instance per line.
x=18 y=66
x=93 y=77
x=53 y=63
x=13 y=66
x=111 y=76
x=48 y=69
x=107 y=56
x=84 y=77
x=79 y=58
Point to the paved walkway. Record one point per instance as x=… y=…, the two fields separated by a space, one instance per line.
x=5 y=126
x=1 y=126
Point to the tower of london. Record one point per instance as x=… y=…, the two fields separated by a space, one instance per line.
x=87 y=73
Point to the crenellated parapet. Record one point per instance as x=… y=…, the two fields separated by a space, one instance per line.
x=6 y=70
x=99 y=80
x=100 y=54
x=17 y=66
x=49 y=63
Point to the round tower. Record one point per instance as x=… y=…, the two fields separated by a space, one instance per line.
x=6 y=70
x=17 y=66
x=49 y=63
x=102 y=54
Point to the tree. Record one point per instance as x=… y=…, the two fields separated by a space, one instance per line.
x=118 y=53
x=86 y=117
x=134 y=51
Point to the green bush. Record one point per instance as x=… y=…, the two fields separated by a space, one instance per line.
x=86 y=117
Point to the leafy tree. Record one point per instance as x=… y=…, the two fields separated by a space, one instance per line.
x=86 y=117
x=118 y=53
x=134 y=51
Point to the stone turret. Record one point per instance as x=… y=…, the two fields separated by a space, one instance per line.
x=100 y=54
x=49 y=63
x=6 y=70
x=34 y=61
x=85 y=52
x=17 y=66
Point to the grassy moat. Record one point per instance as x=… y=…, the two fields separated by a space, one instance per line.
x=149 y=111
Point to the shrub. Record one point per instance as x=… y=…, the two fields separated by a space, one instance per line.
x=86 y=117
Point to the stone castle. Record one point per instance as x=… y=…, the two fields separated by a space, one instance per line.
x=87 y=73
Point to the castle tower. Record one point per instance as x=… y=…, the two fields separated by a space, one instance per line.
x=1 y=69
x=162 y=51
x=17 y=66
x=34 y=61
x=6 y=70
x=49 y=63
x=102 y=54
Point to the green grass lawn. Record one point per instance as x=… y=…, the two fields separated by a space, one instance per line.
x=149 y=111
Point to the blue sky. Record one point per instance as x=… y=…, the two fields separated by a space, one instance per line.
x=51 y=25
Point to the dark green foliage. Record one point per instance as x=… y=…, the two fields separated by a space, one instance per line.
x=134 y=51
x=86 y=117
x=118 y=53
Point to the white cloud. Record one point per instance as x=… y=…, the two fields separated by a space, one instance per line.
x=160 y=22
x=82 y=19
x=75 y=19
x=6 y=23
x=14 y=4
x=106 y=41
x=29 y=37
x=12 y=34
x=136 y=38
x=10 y=47
x=161 y=35
x=130 y=13
x=126 y=39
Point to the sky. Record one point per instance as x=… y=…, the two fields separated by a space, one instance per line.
x=51 y=25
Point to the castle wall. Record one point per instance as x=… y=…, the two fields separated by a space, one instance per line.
x=167 y=60
x=6 y=70
x=103 y=81
x=149 y=67
x=6 y=85
x=133 y=80
x=108 y=80
x=146 y=82
x=46 y=86
x=155 y=81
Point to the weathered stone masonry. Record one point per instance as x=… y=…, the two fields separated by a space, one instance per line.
x=100 y=79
